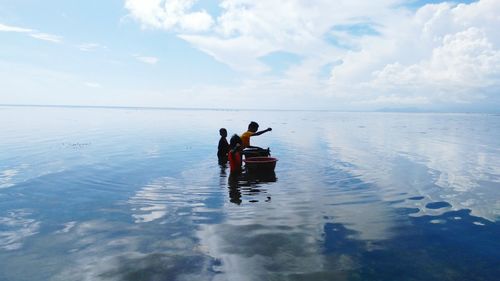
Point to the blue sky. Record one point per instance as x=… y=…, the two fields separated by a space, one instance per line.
x=348 y=55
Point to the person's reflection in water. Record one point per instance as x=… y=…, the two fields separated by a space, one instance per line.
x=223 y=175
x=232 y=180
x=248 y=182
x=234 y=189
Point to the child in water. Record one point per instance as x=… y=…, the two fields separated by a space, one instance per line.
x=251 y=132
x=234 y=154
x=223 y=147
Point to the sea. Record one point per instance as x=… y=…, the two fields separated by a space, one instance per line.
x=90 y=193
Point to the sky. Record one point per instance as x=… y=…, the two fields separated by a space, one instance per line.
x=352 y=55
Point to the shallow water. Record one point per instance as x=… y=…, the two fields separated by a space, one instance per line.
x=137 y=194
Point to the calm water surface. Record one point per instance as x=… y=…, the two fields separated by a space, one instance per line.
x=135 y=194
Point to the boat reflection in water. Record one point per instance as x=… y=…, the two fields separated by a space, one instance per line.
x=259 y=169
x=250 y=184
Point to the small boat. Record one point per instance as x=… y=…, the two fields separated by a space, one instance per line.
x=260 y=164
x=255 y=152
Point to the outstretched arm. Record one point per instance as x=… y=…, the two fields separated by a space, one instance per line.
x=261 y=132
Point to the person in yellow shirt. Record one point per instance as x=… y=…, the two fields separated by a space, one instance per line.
x=253 y=128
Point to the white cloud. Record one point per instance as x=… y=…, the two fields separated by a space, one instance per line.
x=440 y=53
x=32 y=33
x=196 y=21
x=47 y=37
x=444 y=54
x=169 y=14
x=147 y=59
x=464 y=61
x=377 y=53
x=88 y=47
x=240 y=53
x=8 y=28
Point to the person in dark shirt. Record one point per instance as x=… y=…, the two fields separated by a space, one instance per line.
x=223 y=147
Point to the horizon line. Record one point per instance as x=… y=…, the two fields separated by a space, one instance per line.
x=380 y=110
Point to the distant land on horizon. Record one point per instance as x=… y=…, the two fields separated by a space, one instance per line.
x=380 y=110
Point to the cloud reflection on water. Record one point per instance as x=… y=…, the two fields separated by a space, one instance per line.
x=370 y=177
x=6 y=177
x=356 y=194
x=15 y=227
x=156 y=200
x=461 y=164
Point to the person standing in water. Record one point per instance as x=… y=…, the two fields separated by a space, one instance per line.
x=223 y=147
x=234 y=155
x=252 y=131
